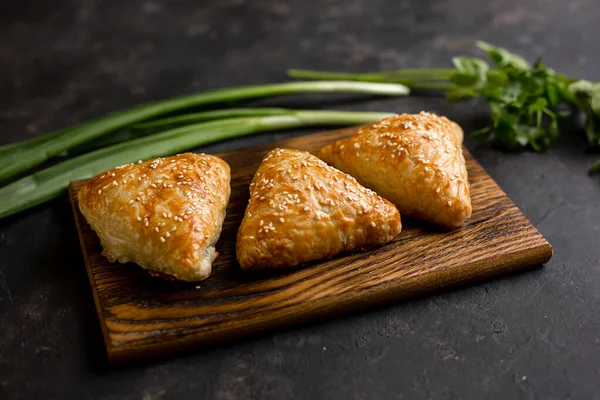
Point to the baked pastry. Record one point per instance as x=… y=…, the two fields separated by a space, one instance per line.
x=301 y=209
x=164 y=214
x=413 y=160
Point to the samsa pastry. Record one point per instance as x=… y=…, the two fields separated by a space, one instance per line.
x=301 y=209
x=164 y=214
x=413 y=160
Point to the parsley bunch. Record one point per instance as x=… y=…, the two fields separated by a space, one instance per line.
x=527 y=102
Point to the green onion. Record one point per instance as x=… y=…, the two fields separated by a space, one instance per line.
x=52 y=182
x=431 y=78
x=36 y=151
x=212 y=115
x=151 y=127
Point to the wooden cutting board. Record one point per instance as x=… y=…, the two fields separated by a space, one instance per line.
x=143 y=317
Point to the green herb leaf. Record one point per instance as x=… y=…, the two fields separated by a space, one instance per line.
x=586 y=96
x=503 y=58
x=472 y=72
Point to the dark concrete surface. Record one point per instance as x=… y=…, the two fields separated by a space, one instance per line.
x=534 y=335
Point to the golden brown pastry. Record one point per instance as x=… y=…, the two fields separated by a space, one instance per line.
x=164 y=214
x=301 y=209
x=413 y=160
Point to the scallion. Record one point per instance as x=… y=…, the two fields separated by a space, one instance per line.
x=28 y=154
x=52 y=182
x=212 y=115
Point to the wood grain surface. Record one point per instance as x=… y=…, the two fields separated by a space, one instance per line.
x=143 y=317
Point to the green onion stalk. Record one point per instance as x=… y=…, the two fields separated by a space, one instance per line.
x=52 y=182
x=147 y=128
x=429 y=78
x=16 y=158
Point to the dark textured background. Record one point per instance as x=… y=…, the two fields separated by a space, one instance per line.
x=532 y=335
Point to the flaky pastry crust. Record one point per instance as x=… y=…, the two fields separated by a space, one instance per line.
x=301 y=209
x=413 y=160
x=164 y=214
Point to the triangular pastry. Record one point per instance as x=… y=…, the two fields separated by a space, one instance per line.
x=413 y=160
x=164 y=214
x=301 y=209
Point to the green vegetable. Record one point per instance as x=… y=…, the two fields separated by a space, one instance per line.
x=586 y=95
x=18 y=158
x=52 y=182
x=526 y=101
x=151 y=127
x=413 y=78
x=212 y=115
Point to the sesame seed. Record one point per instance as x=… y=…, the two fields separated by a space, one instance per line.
x=99 y=191
x=197 y=229
x=139 y=218
x=342 y=147
x=281 y=220
x=373 y=224
x=113 y=174
x=147 y=223
x=173 y=229
x=168 y=234
x=162 y=239
x=131 y=201
x=261 y=223
x=449 y=203
x=157 y=229
x=437 y=190
x=164 y=215
x=357 y=145
x=153 y=185
x=306 y=208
